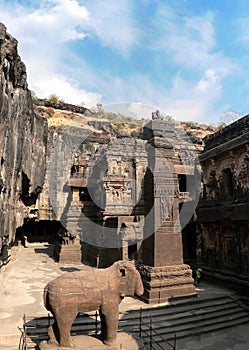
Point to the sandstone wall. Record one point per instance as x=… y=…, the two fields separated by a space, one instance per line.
x=22 y=141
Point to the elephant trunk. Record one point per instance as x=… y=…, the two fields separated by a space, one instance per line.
x=46 y=298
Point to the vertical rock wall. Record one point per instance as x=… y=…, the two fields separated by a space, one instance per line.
x=22 y=140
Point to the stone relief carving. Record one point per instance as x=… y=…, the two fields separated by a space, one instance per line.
x=212 y=185
x=242 y=171
x=166 y=209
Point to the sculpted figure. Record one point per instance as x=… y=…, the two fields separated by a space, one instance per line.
x=91 y=289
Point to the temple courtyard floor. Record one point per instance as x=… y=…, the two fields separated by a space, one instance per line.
x=21 y=292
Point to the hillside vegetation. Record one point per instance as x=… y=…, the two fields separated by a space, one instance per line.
x=60 y=114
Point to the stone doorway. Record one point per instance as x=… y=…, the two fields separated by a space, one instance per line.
x=189 y=244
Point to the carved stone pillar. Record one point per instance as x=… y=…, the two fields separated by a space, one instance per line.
x=163 y=272
x=125 y=254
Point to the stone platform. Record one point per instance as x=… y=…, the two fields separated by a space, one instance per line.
x=125 y=341
x=68 y=254
x=166 y=282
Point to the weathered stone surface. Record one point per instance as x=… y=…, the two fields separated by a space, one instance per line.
x=22 y=139
x=68 y=253
x=163 y=272
x=83 y=291
x=63 y=106
x=228 y=134
x=124 y=341
x=166 y=282
x=223 y=209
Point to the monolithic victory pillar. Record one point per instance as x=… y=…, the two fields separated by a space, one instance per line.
x=163 y=272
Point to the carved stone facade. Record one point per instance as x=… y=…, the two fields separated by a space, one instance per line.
x=101 y=201
x=111 y=194
x=119 y=197
x=224 y=207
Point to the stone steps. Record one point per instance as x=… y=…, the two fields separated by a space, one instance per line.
x=189 y=319
x=184 y=319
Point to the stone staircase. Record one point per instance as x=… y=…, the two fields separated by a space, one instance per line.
x=183 y=318
x=187 y=318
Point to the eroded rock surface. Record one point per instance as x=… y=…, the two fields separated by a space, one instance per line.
x=22 y=140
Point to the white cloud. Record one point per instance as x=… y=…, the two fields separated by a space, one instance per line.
x=243 y=29
x=191 y=41
x=185 y=100
x=42 y=34
x=210 y=82
x=187 y=42
x=54 y=22
x=185 y=109
x=112 y=22
x=195 y=100
x=69 y=91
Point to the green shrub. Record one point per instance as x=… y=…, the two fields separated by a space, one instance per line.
x=54 y=99
x=34 y=98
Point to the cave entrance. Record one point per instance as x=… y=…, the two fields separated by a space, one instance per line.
x=44 y=231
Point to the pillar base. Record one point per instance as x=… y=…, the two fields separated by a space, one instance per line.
x=124 y=341
x=166 y=282
x=68 y=254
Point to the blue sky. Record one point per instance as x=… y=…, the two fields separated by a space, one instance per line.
x=188 y=58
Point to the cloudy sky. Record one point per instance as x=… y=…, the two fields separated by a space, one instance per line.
x=189 y=58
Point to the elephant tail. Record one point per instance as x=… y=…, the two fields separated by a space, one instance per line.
x=46 y=298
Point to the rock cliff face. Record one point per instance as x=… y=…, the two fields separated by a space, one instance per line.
x=22 y=139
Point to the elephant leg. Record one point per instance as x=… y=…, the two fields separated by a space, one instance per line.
x=64 y=322
x=103 y=325
x=53 y=333
x=110 y=320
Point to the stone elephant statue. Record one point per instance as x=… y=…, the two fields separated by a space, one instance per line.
x=87 y=290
